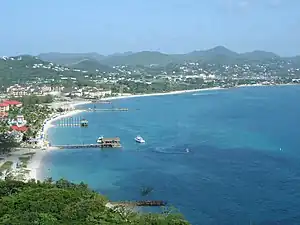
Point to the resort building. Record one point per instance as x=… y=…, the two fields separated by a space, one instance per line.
x=4 y=107
x=19 y=128
x=21 y=120
x=13 y=103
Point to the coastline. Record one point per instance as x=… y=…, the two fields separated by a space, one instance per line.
x=35 y=162
x=33 y=166
x=162 y=93
x=30 y=169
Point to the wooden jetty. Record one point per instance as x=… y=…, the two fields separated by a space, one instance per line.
x=77 y=146
x=107 y=110
x=101 y=101
x=140 y=203
x=73 y=122
x=103 y=143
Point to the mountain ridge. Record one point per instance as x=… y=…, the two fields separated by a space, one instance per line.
x=218 y=54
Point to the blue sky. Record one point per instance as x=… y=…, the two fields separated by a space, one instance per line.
x=171 y=26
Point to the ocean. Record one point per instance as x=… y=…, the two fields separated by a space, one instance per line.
x=242 y=167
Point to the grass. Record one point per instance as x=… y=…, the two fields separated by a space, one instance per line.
x=6 y=166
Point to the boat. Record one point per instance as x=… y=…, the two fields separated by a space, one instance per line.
x=99 y=140
x=139 y=139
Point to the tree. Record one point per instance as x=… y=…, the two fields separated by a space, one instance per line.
x=63 y=202
x=7 y=143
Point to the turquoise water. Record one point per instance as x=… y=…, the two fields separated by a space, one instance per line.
x=243 y=165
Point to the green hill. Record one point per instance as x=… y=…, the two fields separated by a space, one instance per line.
x=140 y=58
x=69 y=58
x=65 y=203
x=24 y=69
x=92 y=65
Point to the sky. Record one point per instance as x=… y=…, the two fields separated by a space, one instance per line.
x=170 y=26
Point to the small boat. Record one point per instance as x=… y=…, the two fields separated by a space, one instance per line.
x=99 y=140
x=139 y=139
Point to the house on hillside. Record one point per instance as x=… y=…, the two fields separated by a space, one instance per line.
x=13 y=103
x=21 y=129
x=4 y=107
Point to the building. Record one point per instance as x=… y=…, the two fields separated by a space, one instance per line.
x=110 y=142
x=20 y=119
x=4 y=107
x=19 y=129
x=13 y=103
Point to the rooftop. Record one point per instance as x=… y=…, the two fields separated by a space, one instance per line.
x=4 y=104
x=12 y=102
x=110 y=139
x=20 y=129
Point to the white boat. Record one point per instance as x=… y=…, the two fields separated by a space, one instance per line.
x=139 y=139
x=99 y=140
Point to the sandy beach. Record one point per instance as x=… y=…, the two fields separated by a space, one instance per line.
x=25 y=162
x=160 y=94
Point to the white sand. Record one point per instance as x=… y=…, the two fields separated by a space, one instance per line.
x=34 y=165
x=160 y=94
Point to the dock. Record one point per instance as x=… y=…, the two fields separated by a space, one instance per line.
x=107 y=110
x=104 y=143
x=77 y=146
x=101 y=101
x=140 y=203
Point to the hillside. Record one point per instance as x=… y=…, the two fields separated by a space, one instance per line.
x=139 y=58
x=24 y=69
x=92 y=65
x=66 y=203
x=69 y=58
x=217 y=55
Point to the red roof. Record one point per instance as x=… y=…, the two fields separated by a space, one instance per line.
x=21 y=129
x=12 y=102
x=4 y=104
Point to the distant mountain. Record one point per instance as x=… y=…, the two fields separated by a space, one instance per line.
x=69 y=58
x=139 y=58
x=217 y=55
x=92 y=65
x=259 y=55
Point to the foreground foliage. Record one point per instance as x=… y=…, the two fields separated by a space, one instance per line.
x=65 y=203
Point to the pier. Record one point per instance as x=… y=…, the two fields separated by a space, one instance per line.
x=102 y=143
x=72 y=122
x=107 y=110
x=77 y=146
x=101 y=101
x=140 y=203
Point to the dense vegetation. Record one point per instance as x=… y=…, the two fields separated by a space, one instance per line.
x=23 y=70
x=7 y=143
x=65 y=203
x=33 y=99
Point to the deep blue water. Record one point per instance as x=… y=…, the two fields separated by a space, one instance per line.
x=243 y=165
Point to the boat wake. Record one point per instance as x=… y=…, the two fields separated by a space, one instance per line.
x=162 y=151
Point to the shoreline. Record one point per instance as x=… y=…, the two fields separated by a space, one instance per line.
x=35 y=163
x=162 y=93
x=43 y=148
